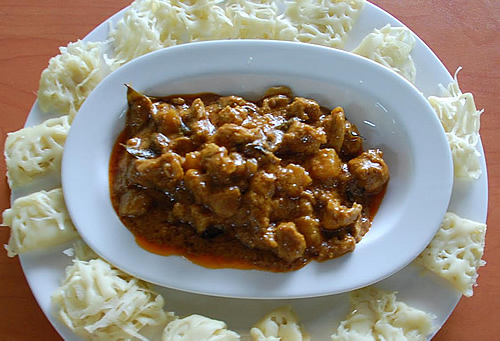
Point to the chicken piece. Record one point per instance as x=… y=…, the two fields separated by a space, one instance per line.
x=178 y=101
x=231 y=135
x=194 y=215
x=202 y=219
x=302 y=138
x=221 y=167
x=370 y=171
x=159 y=143
x=181 y=212
x=195 y=112
x=182 y=145
x=303 y=108
x=361 y=226
x=134 y=203
x=335 y=247
x=275 y=102
x=196 y=182
x=163 y=172
x=201 y=131
x=262 y=238
x=167 y=119
x=334 y=126
x=310 y=228
x=288 y=208
x=197 y=124
x=192 y=161
x=232 y=101
x=305 y=206
x=263 y=184
x=216 y=162
x=226 y=202
x=284 y=208
x=258 y=233
x=335 y=215
x=245 y=167
x=352 y=145
x=293 y=179
x=234 y=115
x=259 y=151
x=278 y=90
x=291 y=243
x=172 y=167
x=325 y=164
x=259 y=209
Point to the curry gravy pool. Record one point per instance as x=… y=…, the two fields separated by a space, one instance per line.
x=226 y=182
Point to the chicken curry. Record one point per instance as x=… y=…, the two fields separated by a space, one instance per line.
x=270 y=184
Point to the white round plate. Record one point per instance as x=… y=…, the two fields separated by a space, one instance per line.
x=45 y=269
x=389 y=112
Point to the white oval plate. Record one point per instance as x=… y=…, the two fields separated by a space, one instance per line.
x=390 y=113
x=45 y=269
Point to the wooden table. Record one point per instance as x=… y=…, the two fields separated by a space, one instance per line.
x=462 y=33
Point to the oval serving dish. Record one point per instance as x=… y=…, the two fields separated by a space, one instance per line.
x=390 y=113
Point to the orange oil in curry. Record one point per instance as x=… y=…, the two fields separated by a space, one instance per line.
x=207 y=261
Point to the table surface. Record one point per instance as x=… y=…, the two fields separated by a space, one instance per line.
x=461 y=32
